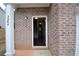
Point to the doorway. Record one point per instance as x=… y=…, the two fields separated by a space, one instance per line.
x=39 y=31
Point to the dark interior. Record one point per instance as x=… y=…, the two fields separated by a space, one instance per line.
x=39 y=31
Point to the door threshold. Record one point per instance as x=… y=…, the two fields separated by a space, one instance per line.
x=39 y=47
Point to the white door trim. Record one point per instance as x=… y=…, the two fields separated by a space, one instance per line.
x=77 y=36
x=46 y=33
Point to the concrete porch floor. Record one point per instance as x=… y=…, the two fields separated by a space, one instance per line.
x=32 y=53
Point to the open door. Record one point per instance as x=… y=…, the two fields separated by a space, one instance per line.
x=39 y=31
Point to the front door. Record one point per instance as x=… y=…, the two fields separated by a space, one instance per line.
x=39 y=31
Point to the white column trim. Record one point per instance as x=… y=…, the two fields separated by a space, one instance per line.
x=9 y=30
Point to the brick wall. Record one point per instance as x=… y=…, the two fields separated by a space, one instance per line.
x=62 y=31
x=53 y=35
x=77 y=9
x=66 y=14
x=23 y=27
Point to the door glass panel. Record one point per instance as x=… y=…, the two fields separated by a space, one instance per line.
x=39 y=32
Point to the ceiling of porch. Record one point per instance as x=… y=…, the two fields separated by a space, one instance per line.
x=25 y=5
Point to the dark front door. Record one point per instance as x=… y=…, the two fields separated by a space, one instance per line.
x=39 y=29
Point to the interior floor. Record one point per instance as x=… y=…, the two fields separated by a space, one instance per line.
x=32 y=53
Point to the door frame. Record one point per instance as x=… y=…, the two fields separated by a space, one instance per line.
x=45 y=31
